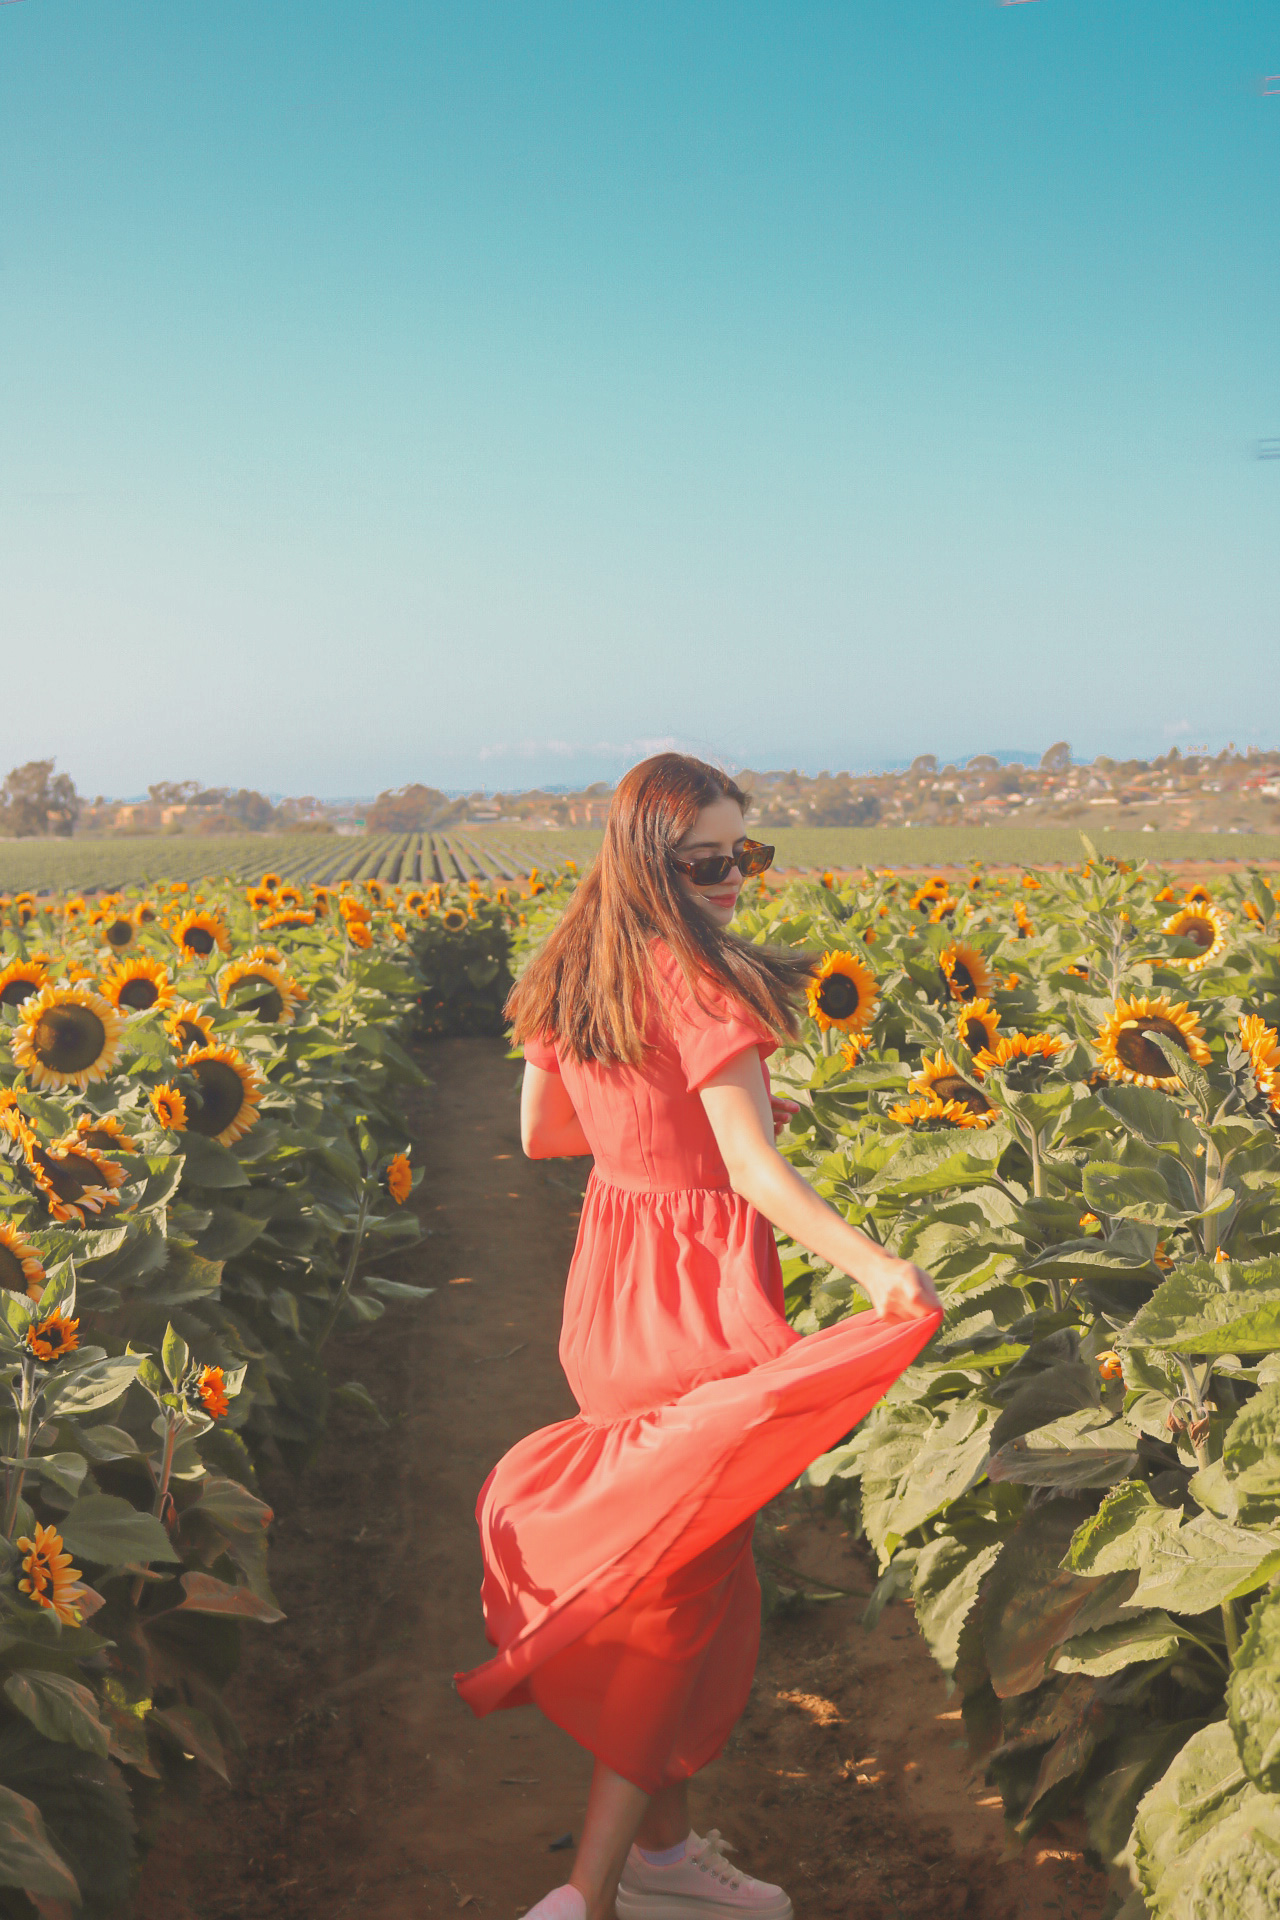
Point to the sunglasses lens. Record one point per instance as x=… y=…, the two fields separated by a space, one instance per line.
x=755 y=859
x=711 y=871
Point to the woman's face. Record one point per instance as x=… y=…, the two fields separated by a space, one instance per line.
x=719 y=828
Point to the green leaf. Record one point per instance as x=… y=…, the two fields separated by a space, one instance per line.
x=84 y=1389
x=352 y=1393
x=1253 y=1695
x=948 y=1573
x=203 y=1594
x=207 y=1163
x=107 y=1530
x=1152 y=1115
x=1135 y=1193
x=396 y=1289
x=1112 y=1796
x=1031 y=1602
x=1210 y=1307
x=59 y=1708
x=950 y=1458
x=176 y=1355
x=1151 y=1636
x=1206 y=1841
x=192 y=1733
x=27 y=1859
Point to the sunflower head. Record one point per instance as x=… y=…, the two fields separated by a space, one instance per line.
x=49 y=1579
x=53 y=1338
x=229 y=1090
x=1021 y=1059
x=290 y=897
x=399 y=1177
x=842 y=993
x=198 y=934
x=1125 y=1053
x=211 y=1390
x=260 y=898
x=21 y=1269
x=927 y=1113
x=1262 y=1049
x=978 y=1025
x=262 y=988
x=289 y=917
x=138 y=985
x=187 y=1027
x=965 y=971
x=169 y=1108
x=1199 y=892
x=71 y=1178
x=320 y=898
x=359 y=935
x=119 y=931
x=20 y=979
x=453 y=920
x=374 y=889
x=104 y=1133
x=939 y=1077
x=145 y=913
x=67 y=1037
x=270 y=881
x=1204 y=926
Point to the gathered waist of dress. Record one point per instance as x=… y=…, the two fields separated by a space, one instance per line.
x=656 y=1189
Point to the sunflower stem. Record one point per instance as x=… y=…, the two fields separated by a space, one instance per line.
x=1230 y=1628
x=15 y=1476
x=162 y=1487
x=1037 y=1172
x=331 y=1319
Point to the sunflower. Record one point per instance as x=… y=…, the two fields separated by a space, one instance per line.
x=145 y=913
x=414 y=899
x=169 y=1108
x=119 y=930
x=230 y=1090
x=453 y=920
x=51 y=1580
x=104 y=1133
x=399 y=1178
x=72 y=1179
x=1165 y=893
x=290 y=897
x=54 y=1338
x=212 y=1390
x=352 y=909
x=66 y=1037
x=943 y=909
x=977 y=1025
x=1125 y=1053
x=938 y=1077
x=138 y=985
x=965 y=971
x=926 y=1110
x=259 y=897
x=74 y=907
x=842 y=993
x=1018 y=1049
x=197 y=934
x=21 y=978
x=21 y=1270
x=295 y=917
x=1205 y=927
x=827 y=879
x=187 y=1027
x=1025 y=928
x=1262 y=1045
x=276 y=996
x=320 y=898
x=270 y=880
x=374 y=889
x=853 y=1049
x=358 y=934
x=1199 y=893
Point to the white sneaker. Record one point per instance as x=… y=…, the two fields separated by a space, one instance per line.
x=702 y=1886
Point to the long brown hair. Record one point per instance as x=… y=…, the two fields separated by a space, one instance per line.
x=588 y=989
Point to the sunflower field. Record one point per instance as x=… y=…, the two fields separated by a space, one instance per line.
x=202 y=1164
x=1060 y=1094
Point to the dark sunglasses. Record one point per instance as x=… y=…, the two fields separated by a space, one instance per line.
x=714 y=867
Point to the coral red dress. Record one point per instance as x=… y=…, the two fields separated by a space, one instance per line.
x=619 y=1588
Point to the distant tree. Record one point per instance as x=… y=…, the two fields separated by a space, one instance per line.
x=924 y=763
x=35 y=801
x=1057 y=759
x=981 y=763
x=406 y=809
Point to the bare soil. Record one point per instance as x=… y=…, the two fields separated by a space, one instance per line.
x=367 y=1786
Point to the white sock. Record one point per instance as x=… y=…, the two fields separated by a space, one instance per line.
x=667 y=1858
x=562 y=1903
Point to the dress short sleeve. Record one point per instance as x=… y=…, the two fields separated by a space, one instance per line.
x=540 y=1053
x=710 y=1029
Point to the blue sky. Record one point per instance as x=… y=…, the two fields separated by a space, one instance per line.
x=481 y=394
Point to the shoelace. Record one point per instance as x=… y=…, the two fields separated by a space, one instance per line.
x=710 y=1859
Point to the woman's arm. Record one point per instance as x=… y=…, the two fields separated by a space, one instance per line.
x=549 y=1127
x=737 y=1105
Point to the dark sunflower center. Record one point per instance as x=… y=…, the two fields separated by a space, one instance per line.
x=16 y=992
x=962 y=979
x=11 y=1274
x=975 y=1035
x=838 y=996
x=952 y=1087
x=139 y=994
x=70 y=1177
x=100 y=1138
x=69 y=1039
x=1139 y=1054
x=146 y=915
x=222 y=1096
x=1199 y=931
x=268 y=1005
x=119 y=933
x=198 y=940
x=190 y=1034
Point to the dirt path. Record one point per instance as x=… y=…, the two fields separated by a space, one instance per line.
x=368 y=1788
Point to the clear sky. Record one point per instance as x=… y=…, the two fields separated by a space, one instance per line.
x=477 y=394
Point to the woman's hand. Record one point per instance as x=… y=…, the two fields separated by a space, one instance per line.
x=897 y=1289
x=783 y=1112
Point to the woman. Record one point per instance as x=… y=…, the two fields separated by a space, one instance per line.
x=619 y=1587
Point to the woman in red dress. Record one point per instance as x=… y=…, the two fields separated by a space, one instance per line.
x=619 y=1588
